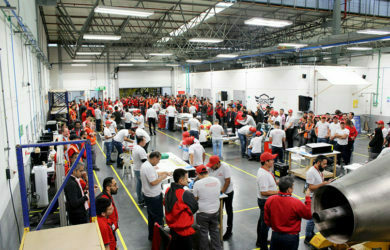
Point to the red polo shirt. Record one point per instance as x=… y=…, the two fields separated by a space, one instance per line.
x=106 y=232
x=283 y=213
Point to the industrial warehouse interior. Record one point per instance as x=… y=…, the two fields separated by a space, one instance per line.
x=194 y=124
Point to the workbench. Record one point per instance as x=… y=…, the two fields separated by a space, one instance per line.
x=172 y=163
x=301 y=172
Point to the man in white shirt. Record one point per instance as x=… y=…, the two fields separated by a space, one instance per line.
x=243 y=133
x=289 y=127
x=140 y=120
x=141 y=132
x=151 y=189
x=221 y=171
x=108 y=142
x=333 y=127
x=128 y=118
x=277 y=137
x=322 y=130
x=98 y=117
x=254 y=148
x=192 y=109
x=139 y=157
x=315 y=180
x=248 y=120
x=266 y=187
x=157 y=107
x=194 y=126
x=171 y=111
x=113 y=127
x=206 y=191
x=196 y=152
x=342 y=142
x=216 y=132
x=151 y=117
x=118 y=140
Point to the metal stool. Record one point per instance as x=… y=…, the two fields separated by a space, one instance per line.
x=127 y=164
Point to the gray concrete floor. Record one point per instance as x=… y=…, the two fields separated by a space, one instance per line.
x=132 y=225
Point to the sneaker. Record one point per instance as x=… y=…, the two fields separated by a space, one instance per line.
x=108 y=163
x=141 y=204
x=307 y=241
x=227 y=235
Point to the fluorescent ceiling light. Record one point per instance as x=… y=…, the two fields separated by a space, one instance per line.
x=125 y=64
x=123 y=11
x=374 y=32
x=88 y=53
x=82 y=60
x=172 y=65
x=160 y=54
x=227 y=55
x=223 y=5
x=79 y=65
x=92 y=46
x=52 y=45
x=194 y=61
x=295 y=45
x=268 y=22
x=138 y=60
x=205 y=40
x=359 y=48
x=101 y=37
x=327 y=58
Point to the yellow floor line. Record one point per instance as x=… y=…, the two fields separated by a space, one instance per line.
x=119 y=232
x=360 y=154
x=243 y=210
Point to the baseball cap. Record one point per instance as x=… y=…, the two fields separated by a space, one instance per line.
x=214 y=159
x=290 y=110
x=342 y=121
x=201 y=127
x=201 y=169
x=188 y=140
x=323 y=116
x=108 y=122
x=335 y=117
x=267 y=156
x=258 y=133
x=380 y=122
x=252 y=129
x=208 y=126
x=186 y=134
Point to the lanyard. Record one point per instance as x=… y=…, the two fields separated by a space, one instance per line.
x=270 y=173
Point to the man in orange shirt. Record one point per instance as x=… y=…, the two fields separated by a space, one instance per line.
x=104 y=209
x=91 y=135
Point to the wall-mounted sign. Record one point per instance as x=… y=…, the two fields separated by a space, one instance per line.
x=264 y=100
x=355 y=104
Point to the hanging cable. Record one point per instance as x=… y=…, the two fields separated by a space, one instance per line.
x=13 y=207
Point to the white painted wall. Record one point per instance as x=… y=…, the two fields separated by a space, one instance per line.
x=129 y=78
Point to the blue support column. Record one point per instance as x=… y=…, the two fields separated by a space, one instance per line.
x=22 y=184
x=92 y=211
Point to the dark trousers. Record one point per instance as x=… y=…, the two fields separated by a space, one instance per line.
x=155 y=212
x=262 y=228
x=108 y=149
x=171 y=121
x=79 y=218
x=284 y=241
x=279 y=151
x=326 y=140
x=228 y=203
x=349 y=151
x=98 y=125
x=194 y=134
x=343 y=149
x=127 y=125
x=289 y=137
x=179 y=242
x=231 y=125
x=152 y=122
x=118 y=147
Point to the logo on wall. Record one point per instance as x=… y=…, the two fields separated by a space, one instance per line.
x=264 y=100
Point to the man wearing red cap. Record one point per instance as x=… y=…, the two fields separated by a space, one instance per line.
x=289 y=127
x=243 y=133
x=342 y=142
x=196 y=152
x=254 y=148
x=207 y=191
x=277 y=137
x=184 y=147
x=266 y=187
x=221 y=171
x=108 y=141
x=322 y=130
x=381 y=125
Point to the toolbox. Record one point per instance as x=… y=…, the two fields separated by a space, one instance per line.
x=280 y=169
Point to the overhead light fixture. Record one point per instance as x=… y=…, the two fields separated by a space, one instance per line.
x=172 y=65
x=52 y=45
x=194 y=61
x=82 y=60
x=327 y=58
x=359 y=48
x=88 y=53
x=123 y=11
x=138 y=60
x=79 y=65
x=160 y=54
x=268 y=22
x=92 y=45
x=374 y=32
x=223 y=5
x=227 y=55
x=205 y=40
x=125 y=64
x=295 y=45
x=101 y=37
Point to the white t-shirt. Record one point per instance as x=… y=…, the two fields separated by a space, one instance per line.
x=141 y=121
x=185 y=155
x=151 y=113
x=113 y=126
x=384 y=132
x=138 y=154
x=216 y=132
x=314 y=177
x=279 y=119
x=222 y=173
x=120 y=137
x=141 y=132
x=265 y=182
x=149 y=174
x=194 y=124
x=134 y=122
x=256 y=144
x=207 y=190
x=290 y=120
x=322 y=129
x=277 y=137
x=202 y=136
x=244 y=130
x=197 y=150
x=342 y=132
x=156 y=106
x=333 y=127
x=107 y=132
x=248 y=121
x=192 y=110
x=98 y=114
x=171 y=111
x=128 y=117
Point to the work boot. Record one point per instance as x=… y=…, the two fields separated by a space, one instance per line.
x=227 y=235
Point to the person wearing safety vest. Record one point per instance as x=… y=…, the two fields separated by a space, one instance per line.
x=91 y=135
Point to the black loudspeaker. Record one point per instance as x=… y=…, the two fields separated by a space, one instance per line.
x=364 y=76
x=304 y=76
x=304 y=102
x=224 y=96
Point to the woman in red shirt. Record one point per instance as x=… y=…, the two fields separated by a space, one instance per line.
x=351 y=139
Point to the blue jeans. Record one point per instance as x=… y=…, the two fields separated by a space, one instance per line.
x=309 y=229
x=279 y=151
x=322 y=140
x=194 y=134
x=140 y=196
x=242 y=143
x=118 y=147
x=155 y=212
x=217 y=147
x=284 y=241
x=108 y=149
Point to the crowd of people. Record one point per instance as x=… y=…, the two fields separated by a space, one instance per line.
x=122 y=121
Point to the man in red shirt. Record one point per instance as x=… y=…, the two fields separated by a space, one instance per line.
x=104 y=209
x=283 y=213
